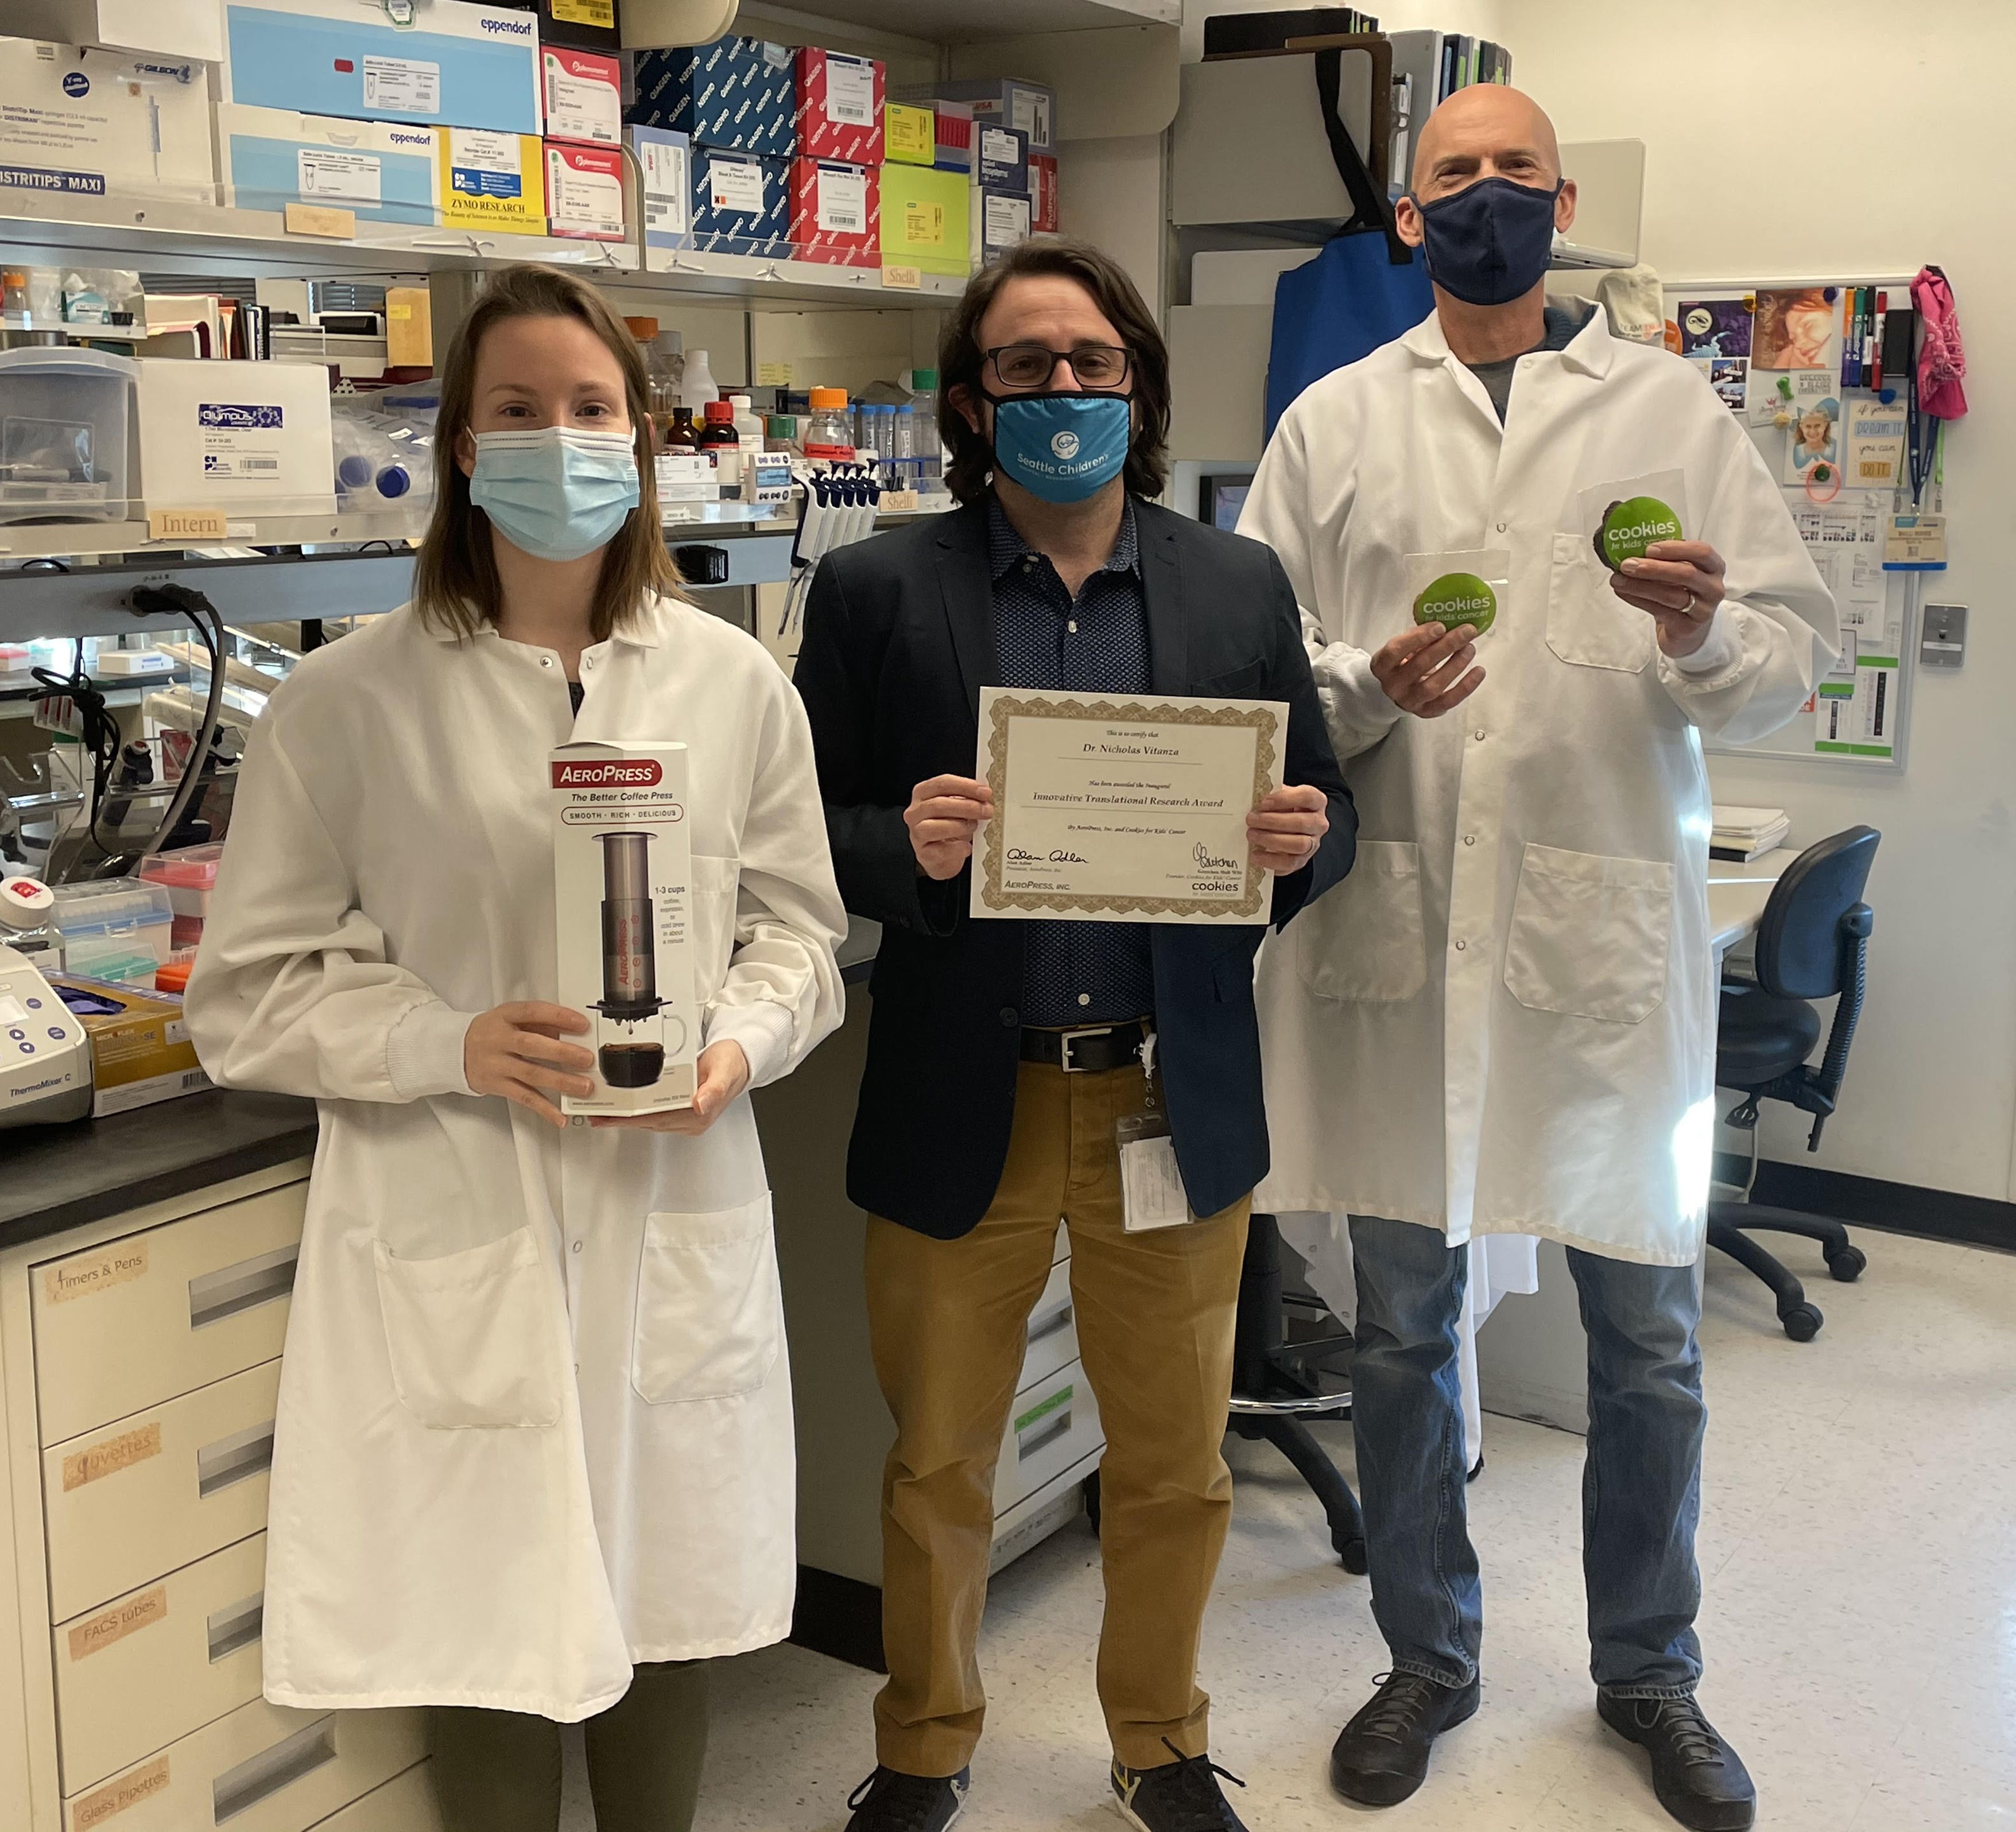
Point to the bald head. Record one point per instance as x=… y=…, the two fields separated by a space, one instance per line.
x=1484 y=130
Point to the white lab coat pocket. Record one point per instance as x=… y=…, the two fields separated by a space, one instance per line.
x=1588 y=624
x=717 y=886
x=1590 y=936
x=710 y=1311
x=1363 y=939
x=471 y=1334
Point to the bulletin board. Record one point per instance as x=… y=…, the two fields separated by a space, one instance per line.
x=1779 y=349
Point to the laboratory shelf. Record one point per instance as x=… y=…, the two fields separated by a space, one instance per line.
x=968 y=22
x=770 y=277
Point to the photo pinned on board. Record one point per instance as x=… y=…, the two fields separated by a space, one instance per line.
x=1714 y=327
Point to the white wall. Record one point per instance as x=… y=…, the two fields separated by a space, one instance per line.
x=1762 y=163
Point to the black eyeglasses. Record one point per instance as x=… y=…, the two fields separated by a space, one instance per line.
x=1031 y=366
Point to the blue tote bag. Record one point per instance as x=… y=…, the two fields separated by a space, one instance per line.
x=1365 y=288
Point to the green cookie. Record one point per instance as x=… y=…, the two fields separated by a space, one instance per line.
x=1629 y=527
x=1457 y=598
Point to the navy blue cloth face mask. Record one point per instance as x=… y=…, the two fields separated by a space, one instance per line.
x=1063 y=445
x=1490 y=242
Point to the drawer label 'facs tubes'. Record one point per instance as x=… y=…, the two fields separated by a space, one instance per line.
x=95 y=1808
x=119 y=1621
x=96 y=1271
x=109 y=1458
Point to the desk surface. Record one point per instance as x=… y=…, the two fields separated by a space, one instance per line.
x=1737 y=894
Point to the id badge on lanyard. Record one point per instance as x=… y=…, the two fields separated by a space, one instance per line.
x=1151 y=1187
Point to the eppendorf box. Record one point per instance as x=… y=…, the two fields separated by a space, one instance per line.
x=623 y=868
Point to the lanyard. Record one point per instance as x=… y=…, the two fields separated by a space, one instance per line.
x=1924 y=444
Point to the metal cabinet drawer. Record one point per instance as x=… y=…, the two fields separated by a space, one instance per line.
x=158 y=1663
x=405 y=1804
x=1053 y=1331
x=162 y=1313
x=263 y=1768
x=1054 y=1424
x=157 y=1490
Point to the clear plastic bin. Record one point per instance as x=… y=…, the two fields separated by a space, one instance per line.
x=65 y=416
x=115 y=928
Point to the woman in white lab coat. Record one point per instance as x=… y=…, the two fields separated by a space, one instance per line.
x=533 y=1451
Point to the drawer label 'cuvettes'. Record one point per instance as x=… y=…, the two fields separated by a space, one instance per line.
x=90 y=1273
x=119 y=1621
x=110 y=1456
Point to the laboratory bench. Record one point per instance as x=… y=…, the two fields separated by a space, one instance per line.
x=146 y=1266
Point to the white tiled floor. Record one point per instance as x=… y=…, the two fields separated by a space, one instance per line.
x=1859 y=1548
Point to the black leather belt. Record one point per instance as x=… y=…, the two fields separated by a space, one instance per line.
x=1091 y=1051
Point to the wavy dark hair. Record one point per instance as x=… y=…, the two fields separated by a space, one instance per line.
x=960 y=357
x=456 y=586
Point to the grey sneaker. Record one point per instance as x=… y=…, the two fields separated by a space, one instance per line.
x=890 y=1802
x=1181 y=1796
x=1698 y=1778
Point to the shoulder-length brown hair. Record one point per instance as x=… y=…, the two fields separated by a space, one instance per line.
x=456 y=587
x=960 y=357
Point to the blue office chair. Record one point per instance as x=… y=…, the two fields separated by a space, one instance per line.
x=1812 y=943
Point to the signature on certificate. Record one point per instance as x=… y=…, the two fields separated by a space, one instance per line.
x=1017 y=856
x=1208 y=860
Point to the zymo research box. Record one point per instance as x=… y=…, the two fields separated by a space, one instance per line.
x=623 y=878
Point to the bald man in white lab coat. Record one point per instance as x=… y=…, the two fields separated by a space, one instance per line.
x=1503 y=1022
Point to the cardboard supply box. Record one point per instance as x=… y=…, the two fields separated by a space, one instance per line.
x=1043 y=194
x=140 y=1048
x=951 y=136
x=88 y=123
x=999 y=220
x=251 y=438
x=271 y=157
x=585 y=25
x=836 y=213
x=925 y=213
x=839 y=107
x=910 y=134
x=173 y=28
x=457 y=65
x=583 y=91
x=1008 y=102
x=585 y=191
x=1000 y=158
x=664 y=159
x=741 y=204
x=623 y=874
x=736 y=92
x=492 y=181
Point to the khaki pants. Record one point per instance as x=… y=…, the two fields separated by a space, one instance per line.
x=947 y=1320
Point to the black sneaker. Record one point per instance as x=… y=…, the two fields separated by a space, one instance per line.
x=1698 y=1778
x=1181 y=1796
x=890 y=1802
x=1381 y=1756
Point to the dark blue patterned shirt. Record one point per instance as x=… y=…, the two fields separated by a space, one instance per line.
x=1075 y=972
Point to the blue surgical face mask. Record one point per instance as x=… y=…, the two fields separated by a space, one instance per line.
x=1062 y=446
x=558 y=492
x=1490 y=242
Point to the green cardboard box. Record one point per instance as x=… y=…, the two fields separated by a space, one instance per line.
x=925 y=219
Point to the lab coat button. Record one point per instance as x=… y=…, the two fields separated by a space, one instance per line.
x=1480 y=734
x=545 y=661
x=1459 y=946
x=1501 y=528
x=1011 y=1018
x=1470 y=839
x=577 y=1245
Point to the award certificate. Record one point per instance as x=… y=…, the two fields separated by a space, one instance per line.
x=1110 y=809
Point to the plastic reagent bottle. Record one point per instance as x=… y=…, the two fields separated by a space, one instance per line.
x=697 y=388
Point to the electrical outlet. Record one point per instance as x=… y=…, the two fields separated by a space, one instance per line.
x=1942 y=636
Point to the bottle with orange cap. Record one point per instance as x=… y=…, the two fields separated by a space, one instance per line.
x=828 y=432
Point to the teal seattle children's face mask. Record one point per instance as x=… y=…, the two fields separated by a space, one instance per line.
x=1061 y=446
x=557 y=492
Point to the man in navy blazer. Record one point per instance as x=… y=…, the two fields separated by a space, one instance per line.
x=1003 y=1053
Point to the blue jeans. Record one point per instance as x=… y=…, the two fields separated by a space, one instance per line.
x=1641 y=1476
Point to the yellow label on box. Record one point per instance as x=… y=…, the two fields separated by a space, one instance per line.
x=924 y=217
x=909 y=135
x=320 y=219
x=923 y=224
x=186 y=524
x=119 y=1621
x=492 y=181
x=119 y=1264
x=586 y=13
x=110 y=1456
x=95 y=1808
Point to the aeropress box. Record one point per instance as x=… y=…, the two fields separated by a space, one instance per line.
x=623 y=872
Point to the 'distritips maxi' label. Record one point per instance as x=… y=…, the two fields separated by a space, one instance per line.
x=1630 y=527
x=1457 y=598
